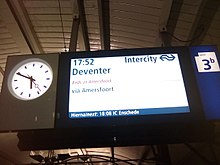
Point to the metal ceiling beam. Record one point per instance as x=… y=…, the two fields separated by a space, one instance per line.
x=104 y=23
x=74 y=35
x=165 y=12
x=79 y=34
x=113 y=155
x=205 y=15
x=24 y=22
x=83 y=25
x=171 y=22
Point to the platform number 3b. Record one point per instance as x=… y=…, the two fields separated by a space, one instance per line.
x=207 y=62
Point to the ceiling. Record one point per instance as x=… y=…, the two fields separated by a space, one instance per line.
x=48 y=26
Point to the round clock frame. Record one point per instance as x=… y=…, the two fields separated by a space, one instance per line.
x=30 y=79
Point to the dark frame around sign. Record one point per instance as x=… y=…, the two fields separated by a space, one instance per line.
x=195 y=115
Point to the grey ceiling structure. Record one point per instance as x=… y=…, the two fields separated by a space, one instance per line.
x=48 y=26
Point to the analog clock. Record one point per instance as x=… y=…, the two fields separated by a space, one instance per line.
x=30 y=79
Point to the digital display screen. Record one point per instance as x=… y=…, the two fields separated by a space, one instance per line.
x=126 y=86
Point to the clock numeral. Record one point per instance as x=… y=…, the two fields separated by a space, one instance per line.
x=41 y=66
x=46 y=71
x=45 y=86
x=15 y=80
x=47 y=78
x=25 y=67
x=29 y=95
x=33 y=65
x=38 y=92
x=16 y=87
x=21 y=93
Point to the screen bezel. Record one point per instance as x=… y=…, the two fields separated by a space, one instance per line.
x=62 y=117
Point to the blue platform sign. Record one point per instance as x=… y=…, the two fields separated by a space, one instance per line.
x=206 y=66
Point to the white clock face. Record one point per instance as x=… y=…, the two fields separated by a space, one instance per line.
x=30 y=79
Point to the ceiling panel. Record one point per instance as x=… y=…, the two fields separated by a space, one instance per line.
x=7 y=47
x=131 y=23
x=48 y=10
x=51 y=23
x=131 y=7
x=49 y=17
x=51 y=20
x=141 y=3
x=46 y=3
x=213 y=34
x=187 y=15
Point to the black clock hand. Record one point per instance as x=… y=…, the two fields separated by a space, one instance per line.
x=31 y=81
x=35 y=84
x=28 y=77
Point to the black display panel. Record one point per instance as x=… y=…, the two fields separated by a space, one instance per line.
x=127 y=87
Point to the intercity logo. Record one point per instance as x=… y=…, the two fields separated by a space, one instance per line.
x=168 y=57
